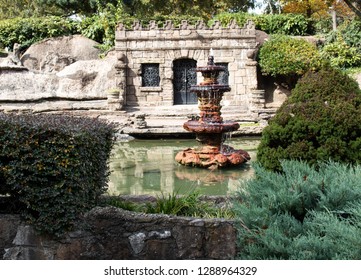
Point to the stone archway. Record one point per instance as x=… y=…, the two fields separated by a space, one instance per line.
x=184 y=76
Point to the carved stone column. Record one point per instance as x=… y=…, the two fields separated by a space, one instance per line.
x=121 y=78
x=257 y=98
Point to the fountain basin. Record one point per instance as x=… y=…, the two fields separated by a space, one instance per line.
x=209 y=127
x=209 y=89
x=212 y=157
x=148 y=167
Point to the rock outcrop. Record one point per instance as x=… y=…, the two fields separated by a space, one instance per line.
x=58 y=74
x=54 y=54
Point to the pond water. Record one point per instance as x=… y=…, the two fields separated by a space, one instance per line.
x=148 y=167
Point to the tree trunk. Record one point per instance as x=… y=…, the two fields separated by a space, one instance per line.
x=355 y=6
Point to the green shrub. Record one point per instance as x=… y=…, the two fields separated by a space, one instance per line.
x=349 y=32
x=288 y=58
x=191 y=205
x=341 y=54
x=175 y=205
x=56 y=166
x=226 y=18
x=321 y=120
x=187 y=205
x=321 y=25
x=26 y=31
x=342 y=47
x=286 y=24
x=302 y=213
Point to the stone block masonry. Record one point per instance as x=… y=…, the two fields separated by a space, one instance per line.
x=166 y=45
x=108 y=233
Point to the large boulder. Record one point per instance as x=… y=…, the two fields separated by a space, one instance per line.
x=83 y=80
x=88 y=78
x=54 y=54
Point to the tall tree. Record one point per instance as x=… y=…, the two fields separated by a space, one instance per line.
x=319 y=8
x=75 y=6
x=272 y=6
x=19 y=8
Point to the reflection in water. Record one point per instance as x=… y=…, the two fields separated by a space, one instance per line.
x=148 y=167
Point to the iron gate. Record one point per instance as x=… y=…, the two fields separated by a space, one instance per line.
x=184 y=77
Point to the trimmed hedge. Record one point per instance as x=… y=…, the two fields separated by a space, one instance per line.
x=55 y=165
x=321 y=120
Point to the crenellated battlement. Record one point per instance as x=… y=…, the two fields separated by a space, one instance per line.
x=185 y=30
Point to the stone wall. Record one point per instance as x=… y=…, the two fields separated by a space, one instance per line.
x=112 y=233
x=232 y=45
x=8 y=228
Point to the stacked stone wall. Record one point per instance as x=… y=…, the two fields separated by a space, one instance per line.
x=112 y=233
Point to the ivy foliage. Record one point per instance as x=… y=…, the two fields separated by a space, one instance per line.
x=55 y=166
x=321 y=120
x=303 y=213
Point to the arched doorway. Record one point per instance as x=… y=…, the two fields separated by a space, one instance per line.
x=184 y=77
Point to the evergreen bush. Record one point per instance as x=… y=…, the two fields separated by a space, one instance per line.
x=321 y=120
x=55 y=165
x=301 y=213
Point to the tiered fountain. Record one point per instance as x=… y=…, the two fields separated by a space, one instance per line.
x=209 y=128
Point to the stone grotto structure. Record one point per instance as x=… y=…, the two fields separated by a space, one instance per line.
x=147 y=76
x=157 y=64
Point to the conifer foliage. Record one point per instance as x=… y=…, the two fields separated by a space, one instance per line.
x=321 y=120
x=301 y=213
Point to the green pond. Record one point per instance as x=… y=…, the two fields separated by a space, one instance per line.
x=148 y=167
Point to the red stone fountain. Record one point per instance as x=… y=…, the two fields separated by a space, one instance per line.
x=210 y=128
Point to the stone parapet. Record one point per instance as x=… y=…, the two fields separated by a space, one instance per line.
x=185 y=31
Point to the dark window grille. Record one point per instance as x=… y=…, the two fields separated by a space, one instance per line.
x=150 y=75
x=223 y=75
